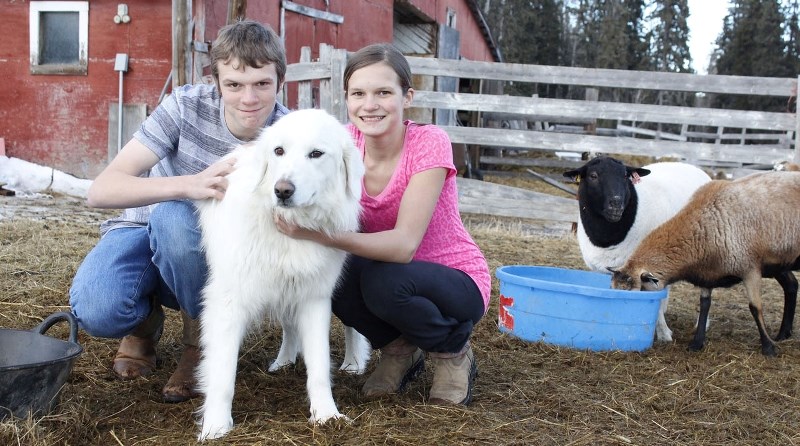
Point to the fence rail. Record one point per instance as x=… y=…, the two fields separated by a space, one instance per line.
x=708 y=136
x=596 y=77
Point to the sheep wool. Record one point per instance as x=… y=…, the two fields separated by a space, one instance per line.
x=730 y=232
x=619 y=205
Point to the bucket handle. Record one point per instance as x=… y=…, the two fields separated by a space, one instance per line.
x=57 y=317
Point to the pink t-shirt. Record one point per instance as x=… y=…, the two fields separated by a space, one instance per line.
x=446 y=241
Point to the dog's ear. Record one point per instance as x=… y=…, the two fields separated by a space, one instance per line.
x=263 y=177
x=353 y=167
x=259 y=160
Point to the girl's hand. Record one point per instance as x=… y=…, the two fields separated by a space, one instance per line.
x=297 y=232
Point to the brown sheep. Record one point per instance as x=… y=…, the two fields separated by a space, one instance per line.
x=729 y=232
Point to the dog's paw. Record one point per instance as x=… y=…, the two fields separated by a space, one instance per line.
x=279 y=364
x=211 y=430
x=318 y=418
x=353 y=368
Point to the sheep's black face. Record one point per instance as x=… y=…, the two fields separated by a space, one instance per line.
x=607 y=187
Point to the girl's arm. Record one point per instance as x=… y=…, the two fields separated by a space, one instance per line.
x=395 y=245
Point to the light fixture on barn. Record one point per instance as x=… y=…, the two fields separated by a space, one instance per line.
x=122 y=14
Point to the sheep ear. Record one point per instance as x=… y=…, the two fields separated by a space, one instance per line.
x=574 y=174
x=612 y=270
x=648 y=277
x=637 y=171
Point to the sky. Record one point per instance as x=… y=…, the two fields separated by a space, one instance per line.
x=705 y=24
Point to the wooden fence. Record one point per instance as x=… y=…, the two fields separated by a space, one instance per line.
x=760 y=137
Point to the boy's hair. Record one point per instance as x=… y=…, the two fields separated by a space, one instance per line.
x=252 y=44
x=377 y=53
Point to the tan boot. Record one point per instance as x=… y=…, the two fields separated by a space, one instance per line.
x=453 y=377
x=400 y=363
x=136 y=355
x=182 y=385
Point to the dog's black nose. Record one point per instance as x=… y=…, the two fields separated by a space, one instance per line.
x=284 y=190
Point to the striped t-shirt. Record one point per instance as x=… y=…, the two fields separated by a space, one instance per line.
x=188 y=133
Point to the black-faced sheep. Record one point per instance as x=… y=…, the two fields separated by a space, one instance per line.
x=619 y=205
x=730 y=232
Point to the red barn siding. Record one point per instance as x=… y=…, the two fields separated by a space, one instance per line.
x=473 y=45
x=62 y=121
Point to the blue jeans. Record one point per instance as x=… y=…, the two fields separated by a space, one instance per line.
x=133 y=268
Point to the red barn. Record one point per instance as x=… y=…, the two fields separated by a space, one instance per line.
x=68 y=62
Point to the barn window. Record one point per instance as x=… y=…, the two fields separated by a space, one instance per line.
x=59 y=37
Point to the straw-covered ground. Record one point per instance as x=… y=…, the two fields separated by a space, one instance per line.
x=526 y=393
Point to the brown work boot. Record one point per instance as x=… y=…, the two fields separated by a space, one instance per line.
x=400 y=363
x=136 y=355
x=182 y=385
x=453 y=377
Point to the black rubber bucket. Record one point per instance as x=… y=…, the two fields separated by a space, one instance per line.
x=34 y=367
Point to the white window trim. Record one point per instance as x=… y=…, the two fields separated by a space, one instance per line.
x=82 y=8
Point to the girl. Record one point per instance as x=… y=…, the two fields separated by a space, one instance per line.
x=415 y=282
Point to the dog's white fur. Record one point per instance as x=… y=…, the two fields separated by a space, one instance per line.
x=255 y=271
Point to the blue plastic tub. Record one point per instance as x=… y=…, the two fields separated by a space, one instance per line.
x=576 y=309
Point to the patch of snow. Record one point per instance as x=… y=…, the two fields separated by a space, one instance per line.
x=24 y=177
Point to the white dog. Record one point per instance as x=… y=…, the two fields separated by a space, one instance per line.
x=306 y=169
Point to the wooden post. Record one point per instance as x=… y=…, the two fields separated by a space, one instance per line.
x=181 y=42
x=325 y=84
x=331 y=90
x=338 y=62
x=796 y=157
x=237 y=10
x=304 y=99
x=200 y=56
x=593 y=95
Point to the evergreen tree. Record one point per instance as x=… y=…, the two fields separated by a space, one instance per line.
x=585 y=33
x=670 y=36
x=638 y=56
x=669 y=39
x=612 y=41
x=531 y=34
x=793 y=37
x=752 y=44
x=621 y=43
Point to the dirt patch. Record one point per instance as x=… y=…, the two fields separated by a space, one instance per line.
x=50 y=207
x=526 y=393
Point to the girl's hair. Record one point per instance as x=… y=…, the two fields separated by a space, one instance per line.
x=377 y=53
x=252 y=44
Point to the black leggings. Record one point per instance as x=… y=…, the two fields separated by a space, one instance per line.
x=433 y=306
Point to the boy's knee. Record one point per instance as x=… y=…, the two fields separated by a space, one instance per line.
x=171 y=219
x=104 y=313
x=174 y=225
